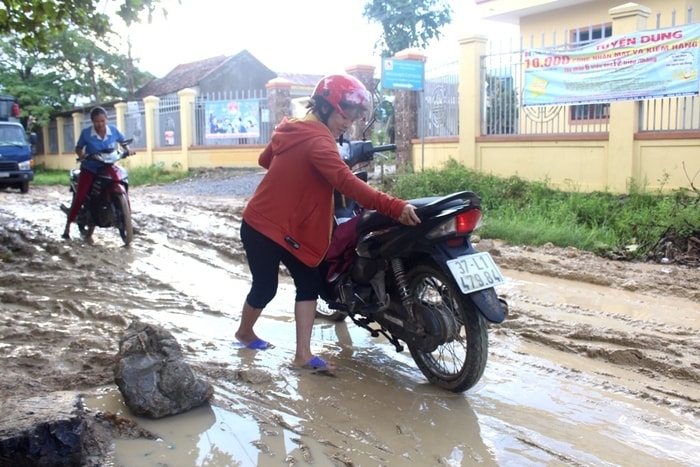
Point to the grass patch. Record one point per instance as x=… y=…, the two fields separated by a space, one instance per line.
x=635 y=225
x=154 y=174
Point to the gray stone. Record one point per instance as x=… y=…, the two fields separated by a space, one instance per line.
x=152 y=375
x=47 y=430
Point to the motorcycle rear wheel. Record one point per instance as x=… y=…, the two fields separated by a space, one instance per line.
x=86 y=230
x=123 y=217
x=458 y=363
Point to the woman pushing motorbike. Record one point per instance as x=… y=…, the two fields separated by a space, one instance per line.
x=93 y=139
x=289 y=218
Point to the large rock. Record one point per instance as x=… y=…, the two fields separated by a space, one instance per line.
x=152 y=375
x=47 y=430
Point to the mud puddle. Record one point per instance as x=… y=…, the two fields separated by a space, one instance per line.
x=600 y=369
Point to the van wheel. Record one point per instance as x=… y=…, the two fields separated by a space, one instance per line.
x=24 y=187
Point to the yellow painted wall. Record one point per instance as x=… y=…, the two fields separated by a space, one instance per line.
x=570 y=165
x=595 y=13
x=433 y=152
x=668 y=164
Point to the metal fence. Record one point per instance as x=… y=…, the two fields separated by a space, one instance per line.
x=503 y=113
x=671 y=114
x=438 y=110
x=135 y=124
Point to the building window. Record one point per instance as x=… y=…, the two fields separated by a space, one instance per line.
x=579 y=37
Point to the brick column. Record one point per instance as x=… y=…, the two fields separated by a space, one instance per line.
x=406 y=116
x=279 y=100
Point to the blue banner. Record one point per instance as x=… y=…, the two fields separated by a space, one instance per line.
x=643 y=65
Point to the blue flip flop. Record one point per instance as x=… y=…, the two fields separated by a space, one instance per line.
x=316 y=365
x=257 y=344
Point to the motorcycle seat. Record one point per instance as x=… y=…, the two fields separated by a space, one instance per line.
x=425 y=207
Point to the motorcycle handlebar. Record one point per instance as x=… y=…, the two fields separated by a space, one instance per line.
x=384 y=147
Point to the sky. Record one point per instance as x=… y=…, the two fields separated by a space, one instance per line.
x=301 y=36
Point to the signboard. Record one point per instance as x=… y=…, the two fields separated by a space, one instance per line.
x=232 y=119
x=642 y=65
x=403 y=74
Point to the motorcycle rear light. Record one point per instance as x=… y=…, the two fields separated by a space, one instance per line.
x=468 y=221
x=456 y=242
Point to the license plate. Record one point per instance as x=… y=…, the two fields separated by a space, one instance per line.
x=4 y=174
x=475 y=272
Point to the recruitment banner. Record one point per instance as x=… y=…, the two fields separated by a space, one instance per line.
x=642 y=65
x=232 y=119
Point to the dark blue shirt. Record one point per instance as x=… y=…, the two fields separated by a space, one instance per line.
x=91 y=143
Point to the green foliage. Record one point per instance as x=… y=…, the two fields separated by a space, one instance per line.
x=533 y=213
x=78 y=67
x=33 y=23
x=407 y=23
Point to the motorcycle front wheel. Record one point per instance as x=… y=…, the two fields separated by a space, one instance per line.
x=459 y=361
x=123 y=217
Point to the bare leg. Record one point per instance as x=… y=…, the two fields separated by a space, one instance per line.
x=304 y=315
x=249 y=317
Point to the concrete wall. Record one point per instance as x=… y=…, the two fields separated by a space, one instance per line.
x=663 y=159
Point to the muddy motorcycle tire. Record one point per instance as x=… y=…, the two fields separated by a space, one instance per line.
x=324 y=312
x=459 y=362
x=122 y=214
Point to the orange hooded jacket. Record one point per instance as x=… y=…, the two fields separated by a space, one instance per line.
x=293 y=204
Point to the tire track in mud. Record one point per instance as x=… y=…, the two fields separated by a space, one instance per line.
x=622 y=365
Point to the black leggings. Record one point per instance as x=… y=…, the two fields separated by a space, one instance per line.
x=264 y=258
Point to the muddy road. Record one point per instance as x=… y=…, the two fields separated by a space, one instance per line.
x=598 y=363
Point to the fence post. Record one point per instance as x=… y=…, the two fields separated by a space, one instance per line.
x=406 y=115
x=278 y=99
x=120 y=108
x=77 y=126
x=187 y=118
x=622 y=160
x=60 y=123
x=365 y=73
x=150 y=108
x=472 y=49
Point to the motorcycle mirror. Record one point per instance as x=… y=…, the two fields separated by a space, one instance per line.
x=383 y=111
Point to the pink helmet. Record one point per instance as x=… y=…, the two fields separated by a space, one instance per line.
x=343 y=93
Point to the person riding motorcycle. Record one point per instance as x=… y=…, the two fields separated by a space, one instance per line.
x=289 y=218
x=94 y=139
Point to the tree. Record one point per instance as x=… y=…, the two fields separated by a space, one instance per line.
x=33 y=22
x=77 y=69
x=407 y=23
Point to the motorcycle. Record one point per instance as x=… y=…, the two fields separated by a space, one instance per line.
x=424 y=285
x=107 y=203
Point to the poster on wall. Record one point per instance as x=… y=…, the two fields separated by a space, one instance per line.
x=643 y=65
x=232 y=119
